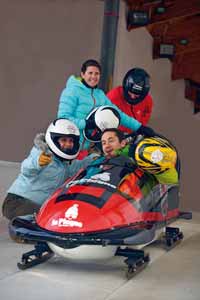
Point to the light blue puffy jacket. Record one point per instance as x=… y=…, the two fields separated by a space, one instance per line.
x=77 y=100
x=38 y=183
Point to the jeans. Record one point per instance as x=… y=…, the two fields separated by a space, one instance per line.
x=15 y=205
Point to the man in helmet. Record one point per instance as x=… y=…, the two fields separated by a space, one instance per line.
x=153 y=155
x=111 y=141
x=133 y=96
x=97 y=121
x=49 y=164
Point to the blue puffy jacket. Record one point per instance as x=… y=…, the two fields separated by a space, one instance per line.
x=38 y=183
x=77 y=100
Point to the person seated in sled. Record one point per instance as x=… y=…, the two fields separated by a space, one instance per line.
x=50 y=162
x=101 y=118
x=154 y=156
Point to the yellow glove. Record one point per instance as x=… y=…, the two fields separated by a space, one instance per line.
x=44 y=159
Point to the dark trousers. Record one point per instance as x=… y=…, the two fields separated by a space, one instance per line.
x=15 y=205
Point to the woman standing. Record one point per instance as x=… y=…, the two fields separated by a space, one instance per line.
x=81 y=95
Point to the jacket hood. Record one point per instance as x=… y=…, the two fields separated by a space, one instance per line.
x=40 y=143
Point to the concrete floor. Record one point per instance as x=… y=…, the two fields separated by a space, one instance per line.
x=170 y=275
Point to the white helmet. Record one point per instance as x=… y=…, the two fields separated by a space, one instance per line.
x=63 y=128
x=101 y=118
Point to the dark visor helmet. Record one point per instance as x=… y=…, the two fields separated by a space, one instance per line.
x=63 y=128
x=136 y=81
x=101 y=118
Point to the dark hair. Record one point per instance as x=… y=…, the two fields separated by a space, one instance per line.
x=118 y=133
x=90 y=63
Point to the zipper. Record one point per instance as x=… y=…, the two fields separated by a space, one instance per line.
x=94 y=104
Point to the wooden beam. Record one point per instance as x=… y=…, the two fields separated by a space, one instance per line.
x=176 y=11
x=185 y=27
x=186 y=66
x=174 y=33
x=193 y=47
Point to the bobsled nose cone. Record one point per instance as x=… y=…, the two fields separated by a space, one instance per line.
x=72 y=216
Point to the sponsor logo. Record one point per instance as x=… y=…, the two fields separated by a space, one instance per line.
x=71 y=128
x=137 y=87
x=90 y=180
x=102 y=176
x=156 y=156
x=69 y=220
x=72 y=212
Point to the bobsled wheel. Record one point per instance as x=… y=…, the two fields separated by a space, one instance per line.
x=136 y=260
x=32 y=258
x=134 y=269
x=172 y=237
x=169 y=243
x=131 y=271
x=28 y=263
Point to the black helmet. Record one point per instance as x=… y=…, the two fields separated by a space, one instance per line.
x=136 y=81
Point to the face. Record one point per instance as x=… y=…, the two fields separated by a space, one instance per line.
x=91 y=76
x=133 y=96
x=66 y=143
x=110 y=142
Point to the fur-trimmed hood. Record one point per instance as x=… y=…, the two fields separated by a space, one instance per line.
x=40 y=143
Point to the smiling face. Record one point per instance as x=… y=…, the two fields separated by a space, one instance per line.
x=91 y=76
x=110 y=142
x=66 y=143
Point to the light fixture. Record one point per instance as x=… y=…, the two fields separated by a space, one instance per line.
x=167 y=50
x=184 y=42
x=137 y=18
x=160 y=10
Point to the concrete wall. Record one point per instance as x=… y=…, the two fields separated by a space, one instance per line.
x=43 y=42
x=173 y=114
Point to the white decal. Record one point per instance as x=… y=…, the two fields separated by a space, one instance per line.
x=137 y=87
x=156 y=156
x=89 y=180
x=71 y=128
x=70 y=214
x=102 y=176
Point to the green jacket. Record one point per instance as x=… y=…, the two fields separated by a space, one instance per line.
x=170 y=176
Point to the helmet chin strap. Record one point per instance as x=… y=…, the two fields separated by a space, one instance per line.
x=133 y=101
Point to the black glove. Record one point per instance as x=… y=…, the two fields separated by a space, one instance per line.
x=146 y=131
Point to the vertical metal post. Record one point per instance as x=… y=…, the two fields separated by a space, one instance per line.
x=108 y=42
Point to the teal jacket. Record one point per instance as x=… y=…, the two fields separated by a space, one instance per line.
x=76 y=102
